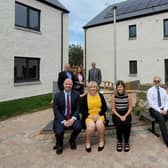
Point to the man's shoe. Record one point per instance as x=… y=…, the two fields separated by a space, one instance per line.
x=59 y=150
x=73 y=145
x=55 y=147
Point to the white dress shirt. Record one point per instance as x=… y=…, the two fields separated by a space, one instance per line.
x=152 y=98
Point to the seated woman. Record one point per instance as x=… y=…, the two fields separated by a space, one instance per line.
x=93 y=111
x=121 y=108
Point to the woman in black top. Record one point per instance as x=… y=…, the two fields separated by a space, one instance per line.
x=121 y=108
x=79 y=80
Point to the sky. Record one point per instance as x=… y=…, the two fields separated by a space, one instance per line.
x=81 y=12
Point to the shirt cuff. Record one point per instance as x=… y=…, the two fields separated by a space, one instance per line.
x=62 y=122
x=74 y=118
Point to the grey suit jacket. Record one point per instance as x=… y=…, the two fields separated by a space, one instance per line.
x=95 y=75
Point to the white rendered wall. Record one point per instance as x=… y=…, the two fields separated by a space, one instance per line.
x=150 y=49
x=45 y=45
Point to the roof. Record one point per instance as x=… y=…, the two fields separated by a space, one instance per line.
x=55 y=4
x=128 y=10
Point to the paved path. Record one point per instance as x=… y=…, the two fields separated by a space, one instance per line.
x=22 y=145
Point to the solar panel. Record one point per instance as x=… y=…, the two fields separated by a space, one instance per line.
x=127 y=8
x=163 y=2
x=143 y=5
x=153 y=3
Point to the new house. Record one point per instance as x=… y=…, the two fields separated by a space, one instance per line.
x=139 y=41
x=34 y=46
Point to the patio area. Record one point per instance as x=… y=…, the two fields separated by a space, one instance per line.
x=22 y=144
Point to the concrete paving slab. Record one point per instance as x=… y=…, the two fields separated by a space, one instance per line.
x=23 y=145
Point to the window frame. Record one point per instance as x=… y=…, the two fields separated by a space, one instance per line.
x=130 y=69
x=28 y=8
x=164 y=28
x=27 y=78
x=129 y=29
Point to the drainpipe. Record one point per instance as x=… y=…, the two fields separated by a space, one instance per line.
x=114 y=43
x=62 y=41
x=85 y=53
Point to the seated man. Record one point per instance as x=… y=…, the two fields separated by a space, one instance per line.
x=158 y=103
x=66 y=115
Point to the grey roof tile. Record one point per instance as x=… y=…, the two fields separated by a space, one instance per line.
x=56 y=4
x=129 y=9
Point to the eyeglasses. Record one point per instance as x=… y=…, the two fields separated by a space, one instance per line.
x=157 y=81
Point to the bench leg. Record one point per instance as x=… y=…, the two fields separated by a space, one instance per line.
x=152 y=130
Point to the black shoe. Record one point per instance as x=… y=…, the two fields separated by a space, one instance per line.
x=100 y=148
x=119 y=146
x=126 y=147
x=59 y=150
x=55 y=147
x=73 y=145
x=88 y=149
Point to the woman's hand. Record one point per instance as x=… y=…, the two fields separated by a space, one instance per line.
x=123 y=118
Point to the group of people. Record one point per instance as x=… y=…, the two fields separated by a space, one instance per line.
x=68 y=104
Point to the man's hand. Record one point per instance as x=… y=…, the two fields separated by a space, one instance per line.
x=69 y=122
x=163 y=112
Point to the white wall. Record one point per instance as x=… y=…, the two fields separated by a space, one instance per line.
x=45 y=45
x=149 y=49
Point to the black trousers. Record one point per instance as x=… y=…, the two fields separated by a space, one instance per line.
x=162 y=124
x=123 y=128
x=59 y=130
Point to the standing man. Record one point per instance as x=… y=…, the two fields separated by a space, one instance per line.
x=66 y=115
x=95 y=74
x=64 y=75
x=158 y=103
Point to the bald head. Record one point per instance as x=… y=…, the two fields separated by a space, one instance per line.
x=156 y=80
x=67 y=67
x=93 y=64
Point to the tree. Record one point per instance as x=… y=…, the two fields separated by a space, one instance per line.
x=75 y=55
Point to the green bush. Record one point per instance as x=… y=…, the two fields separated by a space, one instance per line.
x=25 y=105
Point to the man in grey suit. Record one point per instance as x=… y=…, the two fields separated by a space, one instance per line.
x=95 y=74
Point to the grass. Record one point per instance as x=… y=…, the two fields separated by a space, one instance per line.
x=27 y=105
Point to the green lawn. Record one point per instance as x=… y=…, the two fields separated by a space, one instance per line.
x=26 y=105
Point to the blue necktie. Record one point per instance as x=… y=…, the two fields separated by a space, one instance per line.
x=158 y=96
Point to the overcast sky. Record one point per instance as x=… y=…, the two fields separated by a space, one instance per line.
x=81 y=12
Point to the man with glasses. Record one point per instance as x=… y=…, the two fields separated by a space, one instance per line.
x=158 y=103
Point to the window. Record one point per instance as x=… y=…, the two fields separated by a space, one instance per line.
x=132 y=67
x=26 y=69
x=165 y=28
x=132 y=31
x=27 y=17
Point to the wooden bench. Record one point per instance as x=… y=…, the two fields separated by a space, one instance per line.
x=153 y=121
x=109 y=124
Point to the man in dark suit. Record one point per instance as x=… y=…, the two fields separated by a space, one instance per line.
x=64 y=75
x=66 y=115
x=94 y=74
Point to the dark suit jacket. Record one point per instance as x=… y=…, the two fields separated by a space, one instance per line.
x=95 y=76
x=84 y=108
x=61 y=78
x=59 y=106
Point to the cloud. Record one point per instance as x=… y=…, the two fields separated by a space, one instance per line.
x=81 y=12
